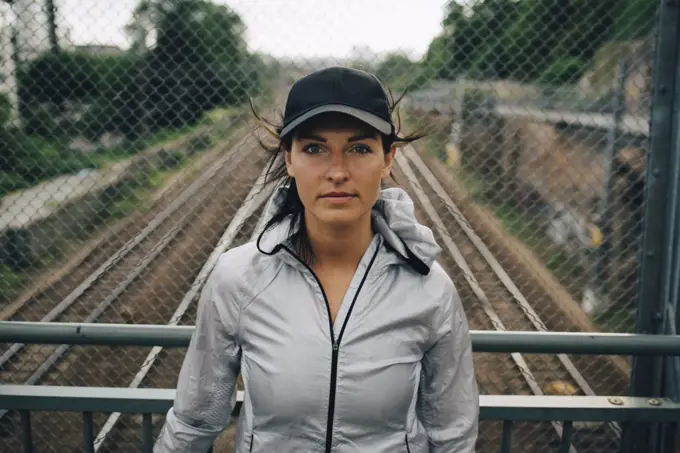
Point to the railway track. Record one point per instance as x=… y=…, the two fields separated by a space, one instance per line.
x=19 y=363
x=140 y=283
x=36 y=303
x=493 y=301
x=124 y=437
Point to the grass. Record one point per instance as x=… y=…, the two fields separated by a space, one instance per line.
x=616 y=320
x=10 y=281
x=137 y=198
x=522 y=226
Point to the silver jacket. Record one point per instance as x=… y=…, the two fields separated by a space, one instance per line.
x=394 y=373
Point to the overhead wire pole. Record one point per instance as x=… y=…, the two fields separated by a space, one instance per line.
x=606 y=214
x=52 y=25
x=11 y=60
x=659 y=257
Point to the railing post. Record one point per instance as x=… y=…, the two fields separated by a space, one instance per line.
x=606 y=211
x=658 y=287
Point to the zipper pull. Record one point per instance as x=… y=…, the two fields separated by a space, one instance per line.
x=335 y=347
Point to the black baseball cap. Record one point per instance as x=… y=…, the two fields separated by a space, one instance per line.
x=342 y=90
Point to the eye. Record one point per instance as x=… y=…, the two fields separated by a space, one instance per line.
x=362 y=149
x=311 y=148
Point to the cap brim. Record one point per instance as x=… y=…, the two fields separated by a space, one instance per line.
x=372 y=120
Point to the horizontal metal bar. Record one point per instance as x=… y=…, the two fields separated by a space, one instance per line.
x=577 y=408
x=95 y=334
x=85 y=399
x=630 y=124
x=493 y=407
x=575 y=343
x=482 y=341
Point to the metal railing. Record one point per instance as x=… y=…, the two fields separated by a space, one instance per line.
x=508 y=408
x=482 y=340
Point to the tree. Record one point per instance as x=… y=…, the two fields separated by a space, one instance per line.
x=524 y=40
x=468 y=32
x=395 y=66
x=198 y=61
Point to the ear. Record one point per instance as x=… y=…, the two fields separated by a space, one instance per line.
x=389 y=159
x=287 y=158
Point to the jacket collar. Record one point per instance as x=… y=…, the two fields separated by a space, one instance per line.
x=393 y=218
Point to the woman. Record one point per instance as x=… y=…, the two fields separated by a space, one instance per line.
x=348 y=335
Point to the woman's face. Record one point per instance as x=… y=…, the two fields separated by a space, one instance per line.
x=338 y=167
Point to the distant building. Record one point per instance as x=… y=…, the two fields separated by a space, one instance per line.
x=99 y=49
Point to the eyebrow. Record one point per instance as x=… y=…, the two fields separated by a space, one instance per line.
x=361 y=137
x=353 y=138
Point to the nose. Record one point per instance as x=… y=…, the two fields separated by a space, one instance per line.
x=338 y=169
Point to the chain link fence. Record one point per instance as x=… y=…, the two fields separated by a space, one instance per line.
x=541 y=113
x=121 y=166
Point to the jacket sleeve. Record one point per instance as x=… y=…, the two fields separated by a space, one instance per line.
x=207 y=381
x=448 y=403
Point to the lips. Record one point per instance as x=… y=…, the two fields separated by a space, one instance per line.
x=338 y=198
x=338 y=195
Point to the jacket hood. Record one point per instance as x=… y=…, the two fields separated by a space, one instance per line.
x=393 y=218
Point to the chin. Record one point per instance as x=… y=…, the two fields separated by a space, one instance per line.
x=339 y=218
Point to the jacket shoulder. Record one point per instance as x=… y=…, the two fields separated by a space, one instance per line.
x=437 y=282
x=439 y=285
x=243 y=268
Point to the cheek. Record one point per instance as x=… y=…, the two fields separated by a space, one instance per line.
x=368 y=178
x=307 y=184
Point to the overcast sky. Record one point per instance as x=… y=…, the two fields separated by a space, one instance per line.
x=288 y=28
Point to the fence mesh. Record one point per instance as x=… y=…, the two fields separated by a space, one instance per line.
x=126 y=152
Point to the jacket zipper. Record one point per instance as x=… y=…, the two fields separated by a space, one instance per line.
x=335 y=343
x=408 y=448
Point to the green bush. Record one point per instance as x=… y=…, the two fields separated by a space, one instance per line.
x=563 y=71
x=27 y=160
x=199 y=62
x=103 y=82
x=5 y=109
